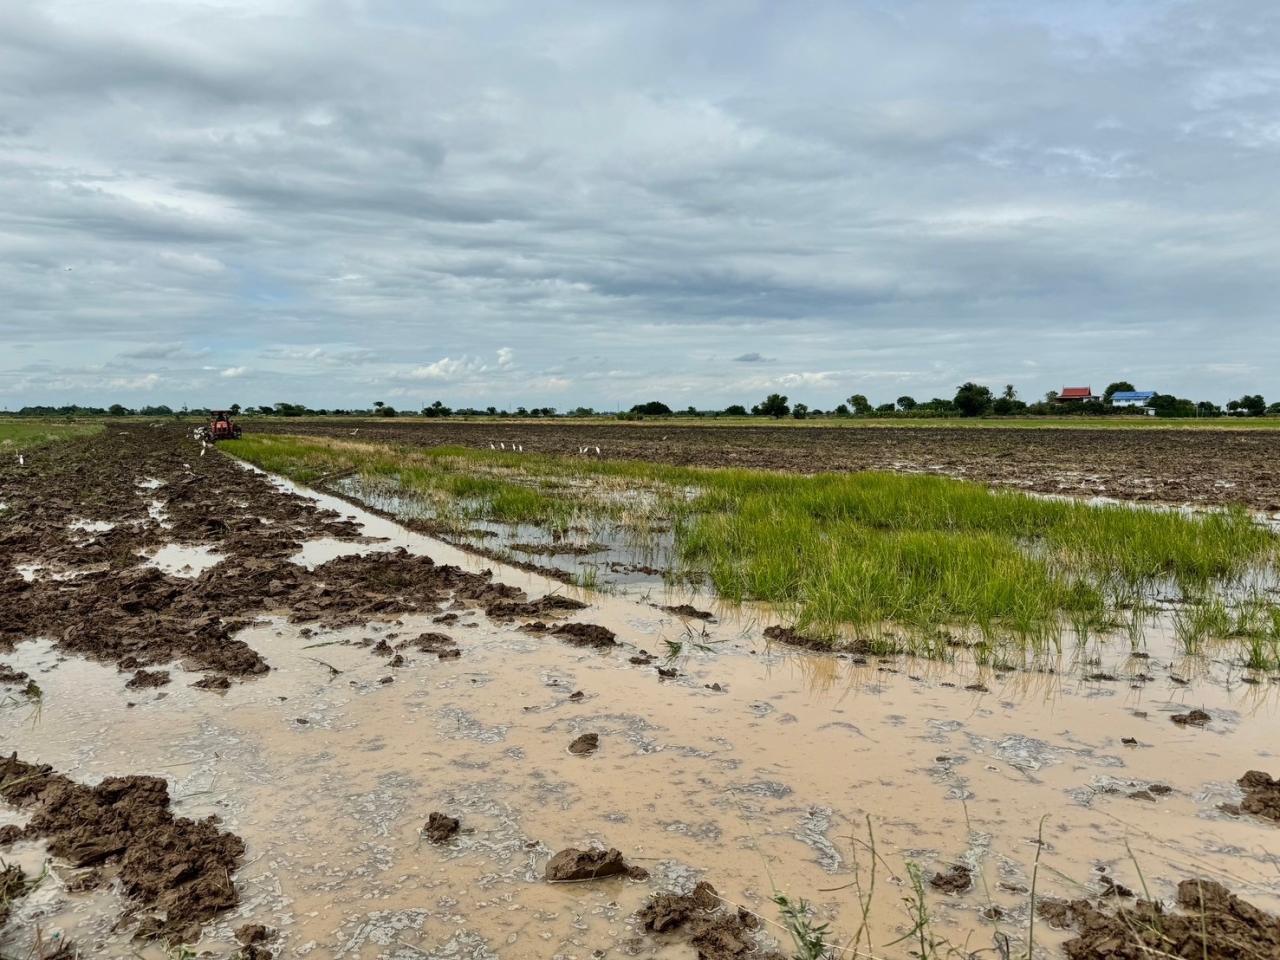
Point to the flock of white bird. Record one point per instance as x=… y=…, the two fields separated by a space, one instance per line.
x=519 y=448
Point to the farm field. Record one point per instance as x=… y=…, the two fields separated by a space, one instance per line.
x=385 y=700
x=1180 y=465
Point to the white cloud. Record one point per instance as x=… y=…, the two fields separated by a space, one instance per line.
x=233 y=372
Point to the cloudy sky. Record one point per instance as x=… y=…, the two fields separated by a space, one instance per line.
x=599 y=202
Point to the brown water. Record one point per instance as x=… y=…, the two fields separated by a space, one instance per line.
x=765 y=784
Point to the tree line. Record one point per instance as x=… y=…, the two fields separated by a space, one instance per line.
x=970 y=400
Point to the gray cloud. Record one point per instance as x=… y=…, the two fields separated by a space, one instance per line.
x=341 y=201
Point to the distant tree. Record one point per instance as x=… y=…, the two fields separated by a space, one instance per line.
x=774 y=405
x=860 y=405
x=235 y=409
x=385 y=411
x=117 y=410
x=1051 y=396
x=1009 y=392
x=800 y=411
x=972 y=399
x=161 y=410
x=437 y=409
x=378 y=404
x=1117 y=387
x=735 y=410
x=1206 y=408
x=582 y=412
x=841 y=410
x=654 y=408
x=292 y=409
x=906 y=404
x=1167 y=405
x=885 y=408
x=521 y=412
x=1250 y=405
x=1273 y=410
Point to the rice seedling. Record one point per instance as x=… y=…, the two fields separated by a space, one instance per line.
x=849 y=554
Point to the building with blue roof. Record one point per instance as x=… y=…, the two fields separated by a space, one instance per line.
x=1132 y=398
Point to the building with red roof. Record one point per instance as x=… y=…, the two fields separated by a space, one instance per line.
x=1076 y=395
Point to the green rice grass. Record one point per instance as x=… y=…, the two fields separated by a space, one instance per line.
x=860 y=553
x=18 y=435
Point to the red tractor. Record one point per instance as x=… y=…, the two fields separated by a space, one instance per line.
x=222 y=427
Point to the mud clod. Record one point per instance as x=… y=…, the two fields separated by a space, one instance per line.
x=596 y=864
x=252 y=933
x=585 y=635
x=691 y=612
x=214 y=681
x=958 y=879
x=587 y=743
x=441 y=827
x=1215 y=923
x=178 y=867
x=714 y=933
x=1261 y=795
x=1195 y=718
x=148 y=678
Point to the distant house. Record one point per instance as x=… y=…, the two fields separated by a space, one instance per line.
x=1132 y=398
x=1076 y=395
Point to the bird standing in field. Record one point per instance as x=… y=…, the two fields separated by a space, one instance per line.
x=22 y=461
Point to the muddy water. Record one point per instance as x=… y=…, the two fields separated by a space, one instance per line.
x=756 y=786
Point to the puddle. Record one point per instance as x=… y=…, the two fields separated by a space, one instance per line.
x=597 y=553
x=761 y=781
x=91 y=526
x=183 y=560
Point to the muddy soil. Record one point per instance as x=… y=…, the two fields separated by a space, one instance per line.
x=1179 y=466
x=1212 y=923
x=177 y=870
x=756 y=764
x=95 y=594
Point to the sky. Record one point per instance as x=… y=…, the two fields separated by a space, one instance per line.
x=336 y=202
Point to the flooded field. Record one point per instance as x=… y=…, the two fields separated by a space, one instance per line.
x=326 y=690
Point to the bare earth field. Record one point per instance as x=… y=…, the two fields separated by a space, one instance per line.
x=260 y=721
x=1203 y=467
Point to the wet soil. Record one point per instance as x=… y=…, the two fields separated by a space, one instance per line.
x=697 y=919
x=324 y=772
x=572 y=864
x=440 y=827
x=1211 y=923
x=1261 y=796
x=110 y=605
x=1181 y=466
x=177 y=870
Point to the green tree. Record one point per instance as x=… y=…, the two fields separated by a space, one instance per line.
x=906 y=404
x=654 y=408
x=1117 y=387
x=972 y=399
x=1251 y=405
x=860 y=405
x=437 y=409
x=117 y=410
x=800 y=411
x=234 y=409
x=774 y=405
x=735 y=410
